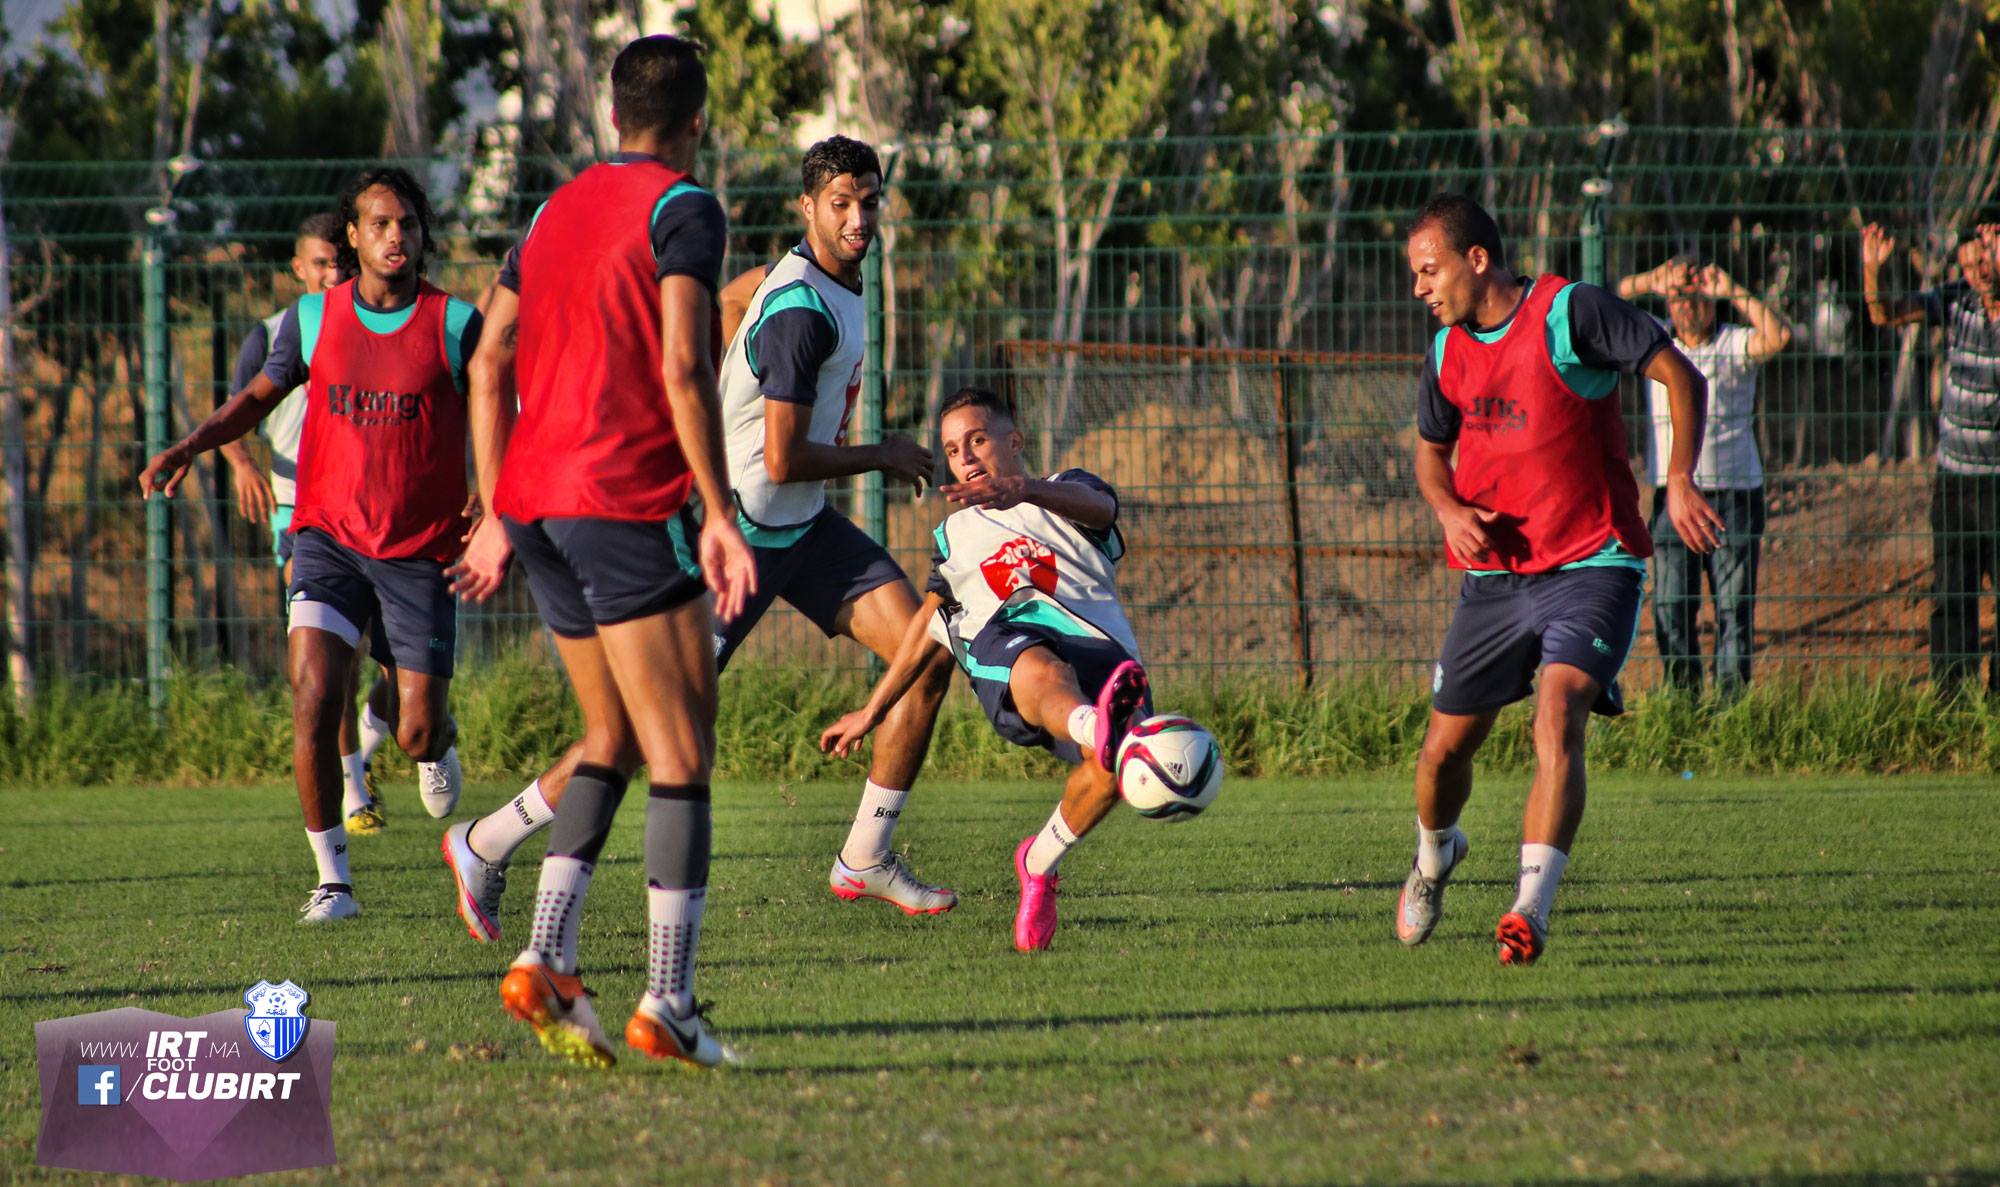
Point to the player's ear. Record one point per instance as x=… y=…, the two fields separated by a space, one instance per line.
x=1016 y=442
x=1477 y=257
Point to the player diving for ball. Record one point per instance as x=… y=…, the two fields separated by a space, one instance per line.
x=788 y=385
x=380 y=496
x=1023 y=594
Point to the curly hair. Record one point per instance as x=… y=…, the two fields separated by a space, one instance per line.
x=834 y=156
x=404 y=186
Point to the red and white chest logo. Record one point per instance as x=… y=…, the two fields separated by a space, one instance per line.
x=1020 y=561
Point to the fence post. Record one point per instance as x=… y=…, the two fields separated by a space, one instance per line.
x=1597 y=201
x=159 y=536
x=874 y=508
x=1289 y=428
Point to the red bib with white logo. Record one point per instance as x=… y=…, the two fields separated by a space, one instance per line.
x=1553 y=464
x=382 y=454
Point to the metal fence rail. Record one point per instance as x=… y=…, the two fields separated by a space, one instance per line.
x=1221 y=327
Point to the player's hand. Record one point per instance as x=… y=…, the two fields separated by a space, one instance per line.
x=1877 y=245
x=254 y=500
x=478 y=574
x=1465 y=531
x=472 y=513
x=905 y=461
x=843 y=737
x=1698 y=524
x=164 y=472
x=994 y=494
x=727 y=565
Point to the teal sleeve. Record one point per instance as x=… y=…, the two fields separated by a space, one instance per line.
x=1589 y=382
x=462 y=323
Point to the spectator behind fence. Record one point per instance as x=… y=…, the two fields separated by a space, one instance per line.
x=1729 y=472
x=1965 y=494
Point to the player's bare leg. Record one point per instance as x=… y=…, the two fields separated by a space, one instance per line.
x=1555 y=808
x=868 y=866
x=357 y=799
x=1047 y=694
x=664 y=666
x=543 y=987
x=426 y=732
x=375 y=724
x=316 y=664
x=1444 y=784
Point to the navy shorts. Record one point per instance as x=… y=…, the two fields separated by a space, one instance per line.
x=990 y=663
x=588 y=573
x=1507 y=626
x=406 y=604
x=830 y=564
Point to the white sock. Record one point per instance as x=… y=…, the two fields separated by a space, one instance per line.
x=874 y=829
x=1083 y=726
x=1434 y=846
x=1050 y=844
x=1541 y=868
x=558 y=904
x=674 y=921
x=496 y=835
x=374 y=732
x=330 y=854
x=354 y=784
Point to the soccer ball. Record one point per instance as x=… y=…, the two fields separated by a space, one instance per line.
x=1169 y=768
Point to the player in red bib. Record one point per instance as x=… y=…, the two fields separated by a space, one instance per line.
x=381 y=489
x=593 y=488
x=1540 y=510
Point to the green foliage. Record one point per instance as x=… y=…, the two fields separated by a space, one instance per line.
x=1753 y=981
x=517 y=716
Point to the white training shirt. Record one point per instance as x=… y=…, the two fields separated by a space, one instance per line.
x=282 y=429
x=1028 y=564
x=796 y=288
x=1729 y=458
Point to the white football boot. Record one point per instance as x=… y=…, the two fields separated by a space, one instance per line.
x=1422 y=904
x=892 y=882
x=329 y=904
x=440 y=783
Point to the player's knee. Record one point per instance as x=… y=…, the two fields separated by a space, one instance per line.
x=1446 y=755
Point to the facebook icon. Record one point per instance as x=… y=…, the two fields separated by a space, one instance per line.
x=98 y=1084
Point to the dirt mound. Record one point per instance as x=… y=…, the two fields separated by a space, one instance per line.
x=1151 y=455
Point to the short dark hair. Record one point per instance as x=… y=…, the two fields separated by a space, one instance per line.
x=397 y=181
x=658 y=84
x=974 y=397
x=834 y=156
x=324 y=225
x=1465 y=224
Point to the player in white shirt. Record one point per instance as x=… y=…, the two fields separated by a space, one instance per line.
x=1023 y=594
x=1729 y=471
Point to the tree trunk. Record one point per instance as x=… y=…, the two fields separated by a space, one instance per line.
x=20 y=576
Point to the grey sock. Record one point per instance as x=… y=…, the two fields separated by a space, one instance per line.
x=678 y=835
x=583 y=818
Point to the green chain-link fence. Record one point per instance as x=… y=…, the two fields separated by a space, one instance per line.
x=1222 y=328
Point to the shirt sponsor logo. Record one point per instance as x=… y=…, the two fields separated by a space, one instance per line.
x=362 y=406
x=1020 y=562
x=1495 y=414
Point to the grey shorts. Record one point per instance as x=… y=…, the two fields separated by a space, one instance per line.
x=1507 y=626
x=830 y=564
x=587 y=573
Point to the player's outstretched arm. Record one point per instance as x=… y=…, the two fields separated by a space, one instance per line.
x=163 y=473
x=1687 y=406
x=1877 y=246
x=790 y=457
x=689 y=374
x=843 y=737
x=490 y=415
x=1080 y=504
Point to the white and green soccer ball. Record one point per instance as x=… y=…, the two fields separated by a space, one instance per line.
x=1169 y=768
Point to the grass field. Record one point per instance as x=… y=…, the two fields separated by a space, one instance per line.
x=1792 y=981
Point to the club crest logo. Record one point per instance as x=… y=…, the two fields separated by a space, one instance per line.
x=276 y=1022
x=1020 y=563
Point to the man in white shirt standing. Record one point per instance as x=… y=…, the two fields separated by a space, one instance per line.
x=1729 y=473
